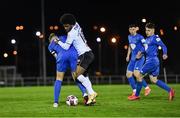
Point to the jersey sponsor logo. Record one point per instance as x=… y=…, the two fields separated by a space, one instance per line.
x=158 y=39
x=143 y=40
x=145 y=46
x=133 y=46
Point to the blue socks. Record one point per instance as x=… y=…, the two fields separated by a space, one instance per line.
x=132 y=82
x=144 y=84
x=163 y=85
x=81 y=87
x=138 y=88
x=159 y=83
x=57 y=90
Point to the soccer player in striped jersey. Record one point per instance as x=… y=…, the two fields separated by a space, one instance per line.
x=76 y=38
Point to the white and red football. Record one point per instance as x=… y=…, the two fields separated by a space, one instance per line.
x=72 y=100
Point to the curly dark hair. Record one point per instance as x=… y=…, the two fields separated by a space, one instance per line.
x=68 y=19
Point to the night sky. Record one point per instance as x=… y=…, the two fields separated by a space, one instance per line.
x=115 y=16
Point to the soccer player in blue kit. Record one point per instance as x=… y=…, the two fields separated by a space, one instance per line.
x=64 y=59
x=136 y=43
x=152 y=65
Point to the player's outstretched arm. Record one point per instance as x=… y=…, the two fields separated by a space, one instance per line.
x=67 y=44
x=128 y=54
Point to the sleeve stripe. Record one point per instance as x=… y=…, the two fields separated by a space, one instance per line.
x=53 y=52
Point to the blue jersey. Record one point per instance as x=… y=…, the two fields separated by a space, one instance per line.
x=152 y=46
x=151 y=65
x=65 y=58
x=136 y=43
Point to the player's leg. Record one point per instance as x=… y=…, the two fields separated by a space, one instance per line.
x=131 y=80
x=61 y=68
x=144 y=84
x=138 y=65
x=73 y=65
x=83 y=90
x=85 y=60
x=139 y=77
x=87 y=77
x=57 y=87
x=130 y=77
x=161 y=84
x=81 y=87
x=86 y=82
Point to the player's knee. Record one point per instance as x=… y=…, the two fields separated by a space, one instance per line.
x=77 y=75
x=79 y=71
x=128 y=74
x=59 y=78
x=153 y=80
x=137 y=74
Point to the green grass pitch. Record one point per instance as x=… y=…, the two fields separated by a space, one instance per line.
x=111 y=102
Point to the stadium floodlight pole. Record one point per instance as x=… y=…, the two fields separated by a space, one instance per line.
x=100 y=55
x=116 y=59
x=162 y=65
x=15 y=45
x=165 y=75
x=38 y=33
x=43 y=41
x=114 y=41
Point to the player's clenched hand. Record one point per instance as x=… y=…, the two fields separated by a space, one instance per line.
x=165 y=56
x=50 y=36
x=55 y=39
x=139 y=55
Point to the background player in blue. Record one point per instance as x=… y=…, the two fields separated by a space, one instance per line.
x=151 y=65
x=64 y=59
x=136 y=43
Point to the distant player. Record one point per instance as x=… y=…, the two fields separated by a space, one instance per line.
x=152 y=65
x=76 y=38
x=136 y=43
x=64 y=59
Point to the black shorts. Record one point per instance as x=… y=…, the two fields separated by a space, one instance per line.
x=85 y=59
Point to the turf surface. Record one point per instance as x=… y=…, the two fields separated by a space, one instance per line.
x=111 y=102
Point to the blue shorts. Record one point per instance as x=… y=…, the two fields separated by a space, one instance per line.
x=135 y=64
x=66 y=61
x=151 y=67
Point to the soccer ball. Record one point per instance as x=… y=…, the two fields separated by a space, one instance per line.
x=71 y=100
